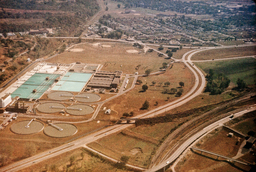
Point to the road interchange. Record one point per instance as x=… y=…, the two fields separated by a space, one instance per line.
x=82 y=142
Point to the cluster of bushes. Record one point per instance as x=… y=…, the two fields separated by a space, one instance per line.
x=169 y=117
x=13 y=46
x=217 y=83
x=128 y=114
x=176 y=91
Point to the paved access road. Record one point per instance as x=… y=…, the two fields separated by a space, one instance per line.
x=195 y=91
x=110 y=130
x=196 y=136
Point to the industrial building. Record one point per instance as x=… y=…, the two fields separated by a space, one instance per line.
x=105 y=79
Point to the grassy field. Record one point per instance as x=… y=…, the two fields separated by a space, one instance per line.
x=225 y=53
x=157 y=131
x=238 y=42
x=246 y=126
x=87 y=162
x=222 y=145
x=113 y=58
x=240 y=68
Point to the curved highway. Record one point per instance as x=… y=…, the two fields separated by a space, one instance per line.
x=195 y=91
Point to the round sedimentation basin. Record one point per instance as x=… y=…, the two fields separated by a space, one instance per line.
x=79 y=109
x=50 y=107
x=27 y=127
x=60 y=95
x=59 y=130
x=87 y=97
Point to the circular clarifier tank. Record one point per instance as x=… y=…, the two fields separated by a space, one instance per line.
x=87 y=97
x=60 y=95
x=80 y=109
x=27 y=127
x=50 y=107
x=60 y=130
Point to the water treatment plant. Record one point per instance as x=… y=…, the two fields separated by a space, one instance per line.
x=59 y=91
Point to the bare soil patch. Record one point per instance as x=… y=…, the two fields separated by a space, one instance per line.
x=112 y=58
x=113 y=147
x=132 y=51
x=87 y=162
x=77 y=50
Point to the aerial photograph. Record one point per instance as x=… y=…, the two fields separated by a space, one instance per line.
x=127 y=86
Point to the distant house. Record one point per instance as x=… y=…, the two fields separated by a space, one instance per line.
x=39 y=32
x=10 y=34
x=108 y=111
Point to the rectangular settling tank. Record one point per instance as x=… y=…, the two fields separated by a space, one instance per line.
x=39 y=82
x=73 y=82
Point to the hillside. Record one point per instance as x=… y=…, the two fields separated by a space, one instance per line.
x=18 y=16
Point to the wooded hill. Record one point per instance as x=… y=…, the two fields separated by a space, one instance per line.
x=34 y=14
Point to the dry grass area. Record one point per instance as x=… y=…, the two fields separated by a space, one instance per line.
x=113 y=58
x=133 y=100
x=83 y=161
x=225 y=53
x=118 y=145
x=223 y=145
x=157 y=131
x=246 y=125
x=179 y=53
x=237 y=42
x=203 y=99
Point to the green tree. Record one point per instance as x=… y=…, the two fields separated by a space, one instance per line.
x=139 y=81
x=145 y=105
x=106 y=9
x=118 y=5
x=144 y=87
x=240 y=84
x=126 y=114
x=82 y=155
x=148 y=71
x=181 y=84
x=164 y=65
x=178 y=94
x=153 y=82
x=170 y=54
x=131 y=113
x=167 y=83
x=125 y=159
x=72 y=160
x=160 y=48
x=173 y=91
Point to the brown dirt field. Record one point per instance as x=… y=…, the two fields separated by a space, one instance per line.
x=222 y=145
x=113 y=147
x=133 y=100
x=225 y=53
x=113 y=58
x=87 y=163
x=179 y=53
